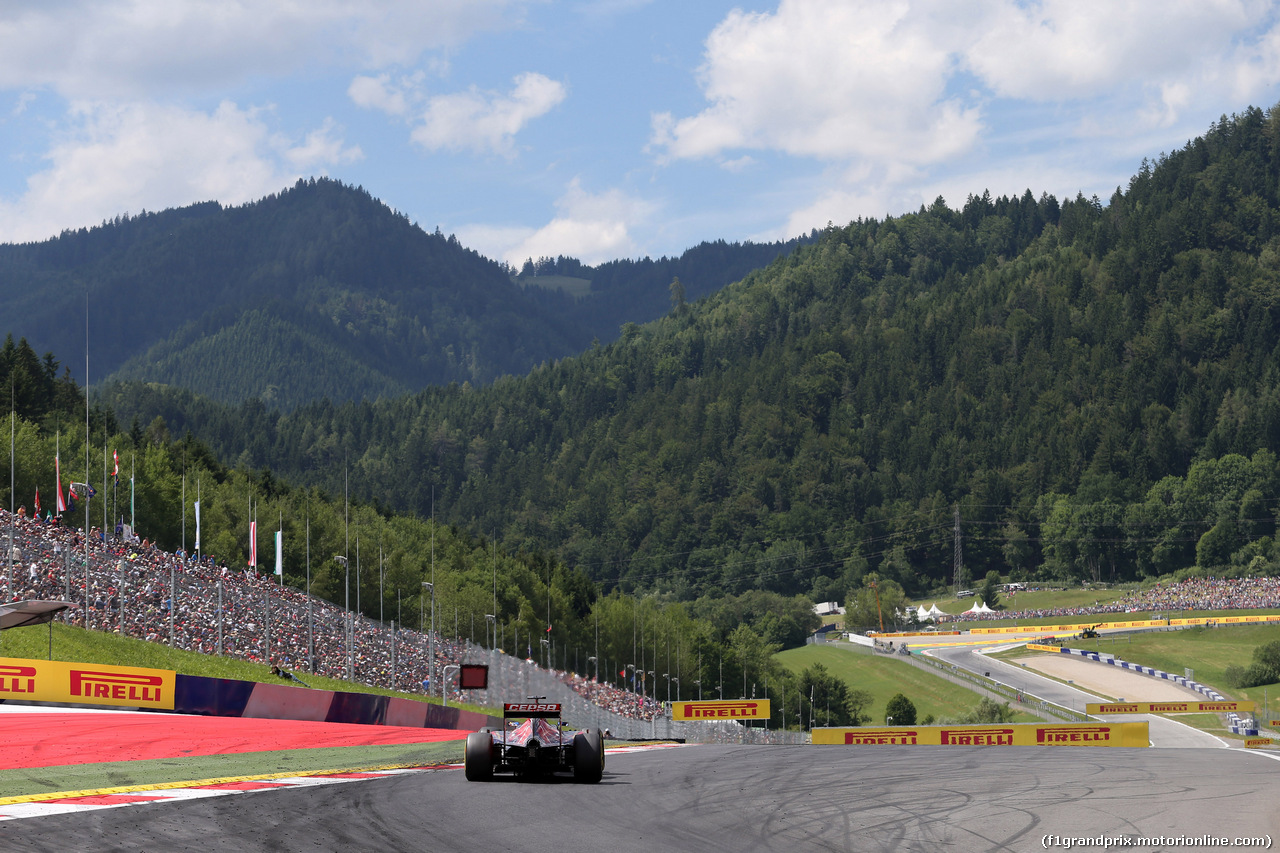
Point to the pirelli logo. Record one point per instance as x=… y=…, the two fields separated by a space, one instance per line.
x=905 y=737
x=1257 y=742
x=726 y=709
x=1167 y=707
x=1130 y=734
x=92 y=684
x=1079 y=735
x=86 y=684
x=977 y=737
x=17 y=680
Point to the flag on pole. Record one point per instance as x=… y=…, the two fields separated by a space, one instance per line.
x=115 y=455
x=280 y=552
x=548 y=629
x=253 y=544
x=37 y=501
x=57 y=470
x=197 y=546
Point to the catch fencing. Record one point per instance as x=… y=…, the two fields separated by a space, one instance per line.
x=512 y=679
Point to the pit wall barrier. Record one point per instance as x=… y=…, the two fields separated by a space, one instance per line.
x=1010 y=734
x=1235 y=722
x=165 y=690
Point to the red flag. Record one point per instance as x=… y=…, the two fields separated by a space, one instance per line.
x=57 y=469
x=37 y=501
x=253 y=543
x=548 y=629
x=115 y=455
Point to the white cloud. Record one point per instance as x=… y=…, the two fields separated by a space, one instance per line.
x=486 y=121
x=121 y=158
x=827 y=80
x=591 y=228
x=878 y=79
x=130 y=48
x=894 y=97
x=1056 y=50
x=321 y=148
x=378 y=93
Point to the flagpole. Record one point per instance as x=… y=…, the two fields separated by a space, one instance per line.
x=13 y=421
x=87 y=436
x=133 y=458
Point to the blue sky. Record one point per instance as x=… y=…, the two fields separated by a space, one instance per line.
x=617 y=128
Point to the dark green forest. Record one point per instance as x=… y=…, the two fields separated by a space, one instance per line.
x=317 y=292
x=1093 y=385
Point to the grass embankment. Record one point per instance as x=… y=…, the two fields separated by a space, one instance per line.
x=883 y=676
x=78 y=645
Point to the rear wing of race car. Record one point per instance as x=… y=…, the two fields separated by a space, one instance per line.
x=530 y=709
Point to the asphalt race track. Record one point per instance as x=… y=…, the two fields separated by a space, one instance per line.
x=724 y=798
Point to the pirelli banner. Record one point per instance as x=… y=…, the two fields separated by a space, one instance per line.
x=721 y=709
x=86 y=683
x=1167 y=707
x=1013 y=734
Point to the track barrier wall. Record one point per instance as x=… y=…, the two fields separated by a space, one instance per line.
x=1011 y=734
x=157 y=689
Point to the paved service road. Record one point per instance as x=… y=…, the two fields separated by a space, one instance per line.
x=1165 y=733
x=725 y=798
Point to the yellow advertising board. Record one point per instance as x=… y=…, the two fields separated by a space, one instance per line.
x=1011 y=734
x=1255 y=742
x=1166 y=707
x=1038 y=647
x=721 y=709
x=86 y=683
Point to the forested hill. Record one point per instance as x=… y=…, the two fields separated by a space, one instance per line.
x=1096 y=386
x=319 y=291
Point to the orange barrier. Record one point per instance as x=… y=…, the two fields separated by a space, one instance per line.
x=1012 y=734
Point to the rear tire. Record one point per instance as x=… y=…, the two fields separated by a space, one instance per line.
x=588 y=757
x=479 y=757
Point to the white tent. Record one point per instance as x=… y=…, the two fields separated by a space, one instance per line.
x=983 y=608
x=934 y=612
x=922 y=614
x=976 y=608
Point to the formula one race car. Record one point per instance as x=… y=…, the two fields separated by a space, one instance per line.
x=534 y=747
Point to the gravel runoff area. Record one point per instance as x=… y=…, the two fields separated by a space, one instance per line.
x=1110 y=680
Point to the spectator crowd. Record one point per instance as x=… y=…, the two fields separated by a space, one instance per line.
x=138 y=590
x=1168 y=597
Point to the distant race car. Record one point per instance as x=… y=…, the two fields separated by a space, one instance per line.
x=534 y=747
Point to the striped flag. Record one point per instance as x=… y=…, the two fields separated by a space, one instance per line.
x=280 y=552
x=253 y=544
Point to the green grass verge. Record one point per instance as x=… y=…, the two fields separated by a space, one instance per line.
x=883 y=676
x=78 y=645
x=84 y=777
x=1044 y=599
